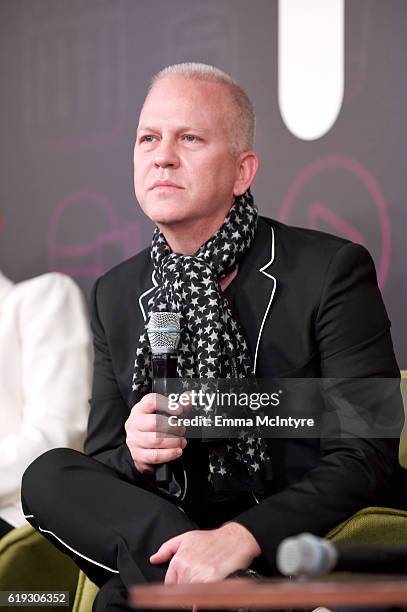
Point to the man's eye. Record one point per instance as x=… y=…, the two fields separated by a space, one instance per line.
x=147 y=138
x=190 y=137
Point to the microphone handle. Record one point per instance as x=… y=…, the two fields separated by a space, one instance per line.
x=371 y=558
x=164 y=367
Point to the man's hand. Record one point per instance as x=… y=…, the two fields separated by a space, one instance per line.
x=149 y=448
x=207 y=556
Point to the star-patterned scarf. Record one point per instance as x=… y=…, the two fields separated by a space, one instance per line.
x=212 y=344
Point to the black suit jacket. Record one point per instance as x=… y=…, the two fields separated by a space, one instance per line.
x=310 y=307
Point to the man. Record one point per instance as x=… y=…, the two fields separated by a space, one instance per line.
x=255 y=297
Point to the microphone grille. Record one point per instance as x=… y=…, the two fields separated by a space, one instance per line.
x=164 y=331
x=305 y=555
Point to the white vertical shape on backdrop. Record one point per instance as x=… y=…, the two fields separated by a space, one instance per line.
x=310 y=65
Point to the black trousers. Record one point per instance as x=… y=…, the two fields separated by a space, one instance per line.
x=5 y=527
x=107 y=525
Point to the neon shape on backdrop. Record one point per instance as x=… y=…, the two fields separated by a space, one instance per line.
x=339 y=224
x=90 y=259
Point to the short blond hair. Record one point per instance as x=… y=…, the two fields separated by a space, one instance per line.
x=242 y=121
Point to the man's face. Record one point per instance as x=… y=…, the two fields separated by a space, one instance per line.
x=183 y=143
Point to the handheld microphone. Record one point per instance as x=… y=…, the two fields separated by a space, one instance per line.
x=164 y=333
x=308 y=556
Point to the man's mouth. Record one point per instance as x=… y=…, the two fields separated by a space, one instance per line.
x=165 y=185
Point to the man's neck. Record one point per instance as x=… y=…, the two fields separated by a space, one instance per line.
x=224 y=282
x=186 y=244
x=187 y=238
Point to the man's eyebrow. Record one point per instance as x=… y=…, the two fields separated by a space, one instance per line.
x=142 y=128
x=181 y=128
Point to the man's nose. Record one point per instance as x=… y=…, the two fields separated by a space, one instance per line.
x=166 y=155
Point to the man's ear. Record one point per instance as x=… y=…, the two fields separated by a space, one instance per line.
x=247 y=165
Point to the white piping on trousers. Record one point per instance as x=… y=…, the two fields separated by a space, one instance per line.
x=73 y=550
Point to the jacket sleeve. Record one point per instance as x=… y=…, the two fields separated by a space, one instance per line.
x=106 y=436
x=55 y=350
x=352 y=335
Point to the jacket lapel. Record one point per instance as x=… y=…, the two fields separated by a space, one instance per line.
x=145 y=296
x=255 y=289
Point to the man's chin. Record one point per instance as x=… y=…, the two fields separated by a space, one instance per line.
x=167 y=214
x=170 y=221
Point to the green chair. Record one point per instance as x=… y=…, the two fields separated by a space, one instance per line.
x=28 y=562
x=373 y=525
x=85 y=594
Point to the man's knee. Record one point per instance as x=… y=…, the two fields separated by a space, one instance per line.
x=44 y=474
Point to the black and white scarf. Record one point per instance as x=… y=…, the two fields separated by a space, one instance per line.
x=212 y=343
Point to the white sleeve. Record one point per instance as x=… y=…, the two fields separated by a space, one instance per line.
x=55 y=349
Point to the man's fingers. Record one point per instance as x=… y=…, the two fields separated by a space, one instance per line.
x=144 y=422
x=156 y=423
x=164 y=426
x=147 y=404
x=153 y=440
x=155 y=456
x=162 y=555
x=166 y=550
x=152 y=402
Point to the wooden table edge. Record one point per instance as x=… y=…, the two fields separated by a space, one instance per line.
x=273 y=593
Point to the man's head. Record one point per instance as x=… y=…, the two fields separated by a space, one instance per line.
x=240 y=120
x=196 y=131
